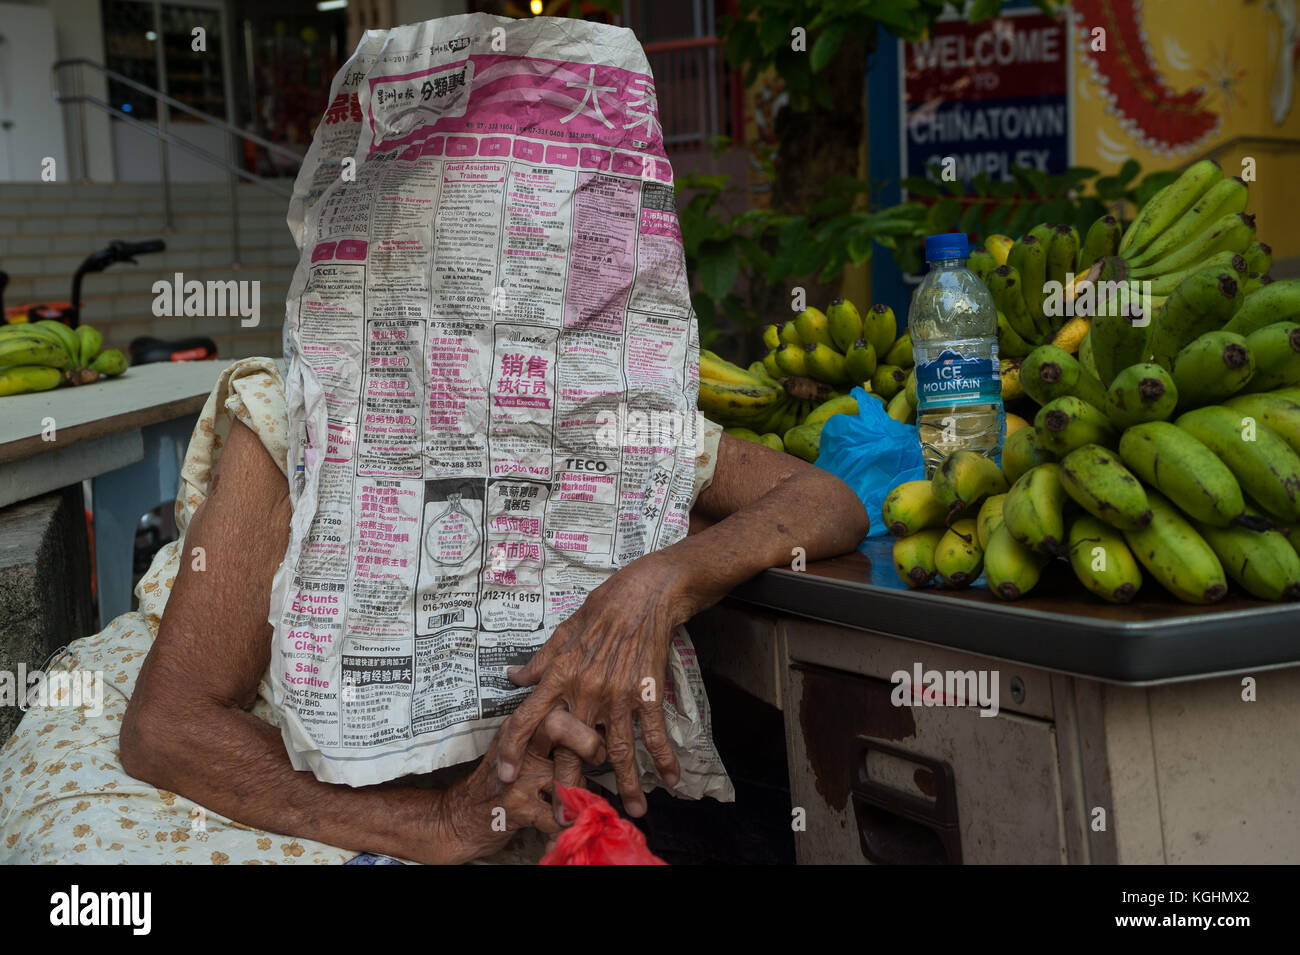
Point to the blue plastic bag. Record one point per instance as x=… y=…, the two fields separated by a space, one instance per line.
x=871 y=453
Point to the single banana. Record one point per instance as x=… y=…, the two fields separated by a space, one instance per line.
x=825 y=364
x=813 y=327
x=1033 y=273
x=981 y=262
x=1276 y=350
x=1103 y=487
x=110 y=362
x=1066 y=423
x=1011 y=568
x=1118 y=341
x=773 y=369
x=880 y=327
x=19 y=379
x=841 y=404
x=789 y=335
x=1177 y=556
x=1278 y=411
x=736 y=404
x=1010 y=344
x=1232 y=233
x=914 y=556
x=1202 y=303
x=1069 y=337
x=860 y=361
x=1102 y=561
x=909 y=387
x=1061 y=256
x=15 y=350
x=845 y=323
x=888 y=381
x=1168 y=205
x=1021 y=452
x=804 y=441
x=1263 y=563
x=1004 y=285
x=900 y=353
x=1276 y=302
x=1164 y=285
x=958 y=557
x=1259 y=257
x=1141 y=392
x=759 y=371
x=791 y=360
x=1224 y=198
x=990 y=518
x=1034 y=511
x=772 y=337
x=1185 y=471
x=772 y=440
x=1050 y=372
x=999 y=246
x=1085 y=356
x=744 y=434
x=1213 y=367
x=912 y=507
x=1254 y=282
x=900 y=409
x=718 y=369
x=964 y=479
x=1009 y=370
x=1264 y=465
x=1102 y=240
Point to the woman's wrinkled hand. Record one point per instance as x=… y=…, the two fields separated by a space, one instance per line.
x=480 y=812
x=606 y=665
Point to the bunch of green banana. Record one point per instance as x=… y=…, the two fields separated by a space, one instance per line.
x=38 y=356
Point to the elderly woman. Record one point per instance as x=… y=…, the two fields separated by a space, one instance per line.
x=186 y=762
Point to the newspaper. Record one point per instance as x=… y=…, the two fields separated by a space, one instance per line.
x=491 y=388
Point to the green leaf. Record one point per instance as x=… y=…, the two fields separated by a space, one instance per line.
x=1127 y=171
x=824 y=47
x=997 y=219
x=970 y=218
x=717 y=268
x=921 y=186
x=1109 y=188
x=772 y=33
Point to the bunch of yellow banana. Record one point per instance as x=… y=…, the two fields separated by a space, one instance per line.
x=845 y=348
x=38 y=356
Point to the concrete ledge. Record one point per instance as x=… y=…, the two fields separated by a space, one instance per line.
x=44 y=583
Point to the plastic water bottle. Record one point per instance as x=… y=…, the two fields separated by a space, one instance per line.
x=953 y=325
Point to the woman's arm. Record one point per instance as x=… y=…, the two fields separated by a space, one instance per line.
x=763 y=504
x=188 y=730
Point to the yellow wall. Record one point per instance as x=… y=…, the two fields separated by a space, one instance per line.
x=1232 y=49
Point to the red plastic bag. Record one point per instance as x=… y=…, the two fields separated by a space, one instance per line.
x=598 y=836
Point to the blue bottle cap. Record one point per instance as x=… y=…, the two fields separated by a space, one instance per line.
x=947 y=245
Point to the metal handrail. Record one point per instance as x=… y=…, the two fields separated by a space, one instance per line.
x=81 y=99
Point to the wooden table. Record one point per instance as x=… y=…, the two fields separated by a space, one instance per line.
x=128 y=435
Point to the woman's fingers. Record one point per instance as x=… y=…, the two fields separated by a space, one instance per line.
x=531 y=672
x=513 y=737
x=561 y=728
x=620 y=742
x=654 y=734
